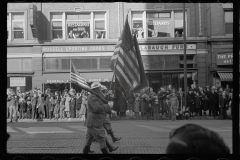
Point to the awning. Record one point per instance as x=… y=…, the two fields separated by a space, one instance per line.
x=225 y=76
x=65 y=77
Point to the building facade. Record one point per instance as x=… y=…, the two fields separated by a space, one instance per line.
x=45 y=38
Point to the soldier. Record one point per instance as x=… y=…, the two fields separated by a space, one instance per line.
x=106 y=123
x=96 y=116
x=13 y=105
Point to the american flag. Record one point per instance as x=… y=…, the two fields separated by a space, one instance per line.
x=124 y=57
x=77 y=78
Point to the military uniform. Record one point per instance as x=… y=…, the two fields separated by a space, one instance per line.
x=95 y=119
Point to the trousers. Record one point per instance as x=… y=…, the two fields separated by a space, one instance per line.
x=97 y=133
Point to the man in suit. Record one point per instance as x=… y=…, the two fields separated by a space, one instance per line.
x=213 y=97
x=47 y=103
x=73 y=103
x=34 y=105
x=94 y=122
x=78 y=104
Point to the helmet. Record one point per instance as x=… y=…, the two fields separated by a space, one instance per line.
x=103 y=87
x=95 y=85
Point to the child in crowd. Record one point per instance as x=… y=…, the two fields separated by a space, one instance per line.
x=29 y=108
x=62 y=108
x=136 y=106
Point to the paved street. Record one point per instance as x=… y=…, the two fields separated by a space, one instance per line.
x=139 y=136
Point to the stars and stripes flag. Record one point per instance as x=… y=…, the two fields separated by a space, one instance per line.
x=77 y=78
x=126 y=62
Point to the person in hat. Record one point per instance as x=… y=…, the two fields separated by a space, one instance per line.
x=40 y=106
x=13 y=106
x=34 y=102
x=190 y=101
x=94 y=122
x=107 y=123
x=73 y=103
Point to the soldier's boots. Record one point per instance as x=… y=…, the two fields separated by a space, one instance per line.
x=86 y=150
x=114 y=139
x=110 y=147
x=105 y=151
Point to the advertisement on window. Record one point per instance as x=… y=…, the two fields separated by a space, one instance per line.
x=78 y=29
x=159 y=28
x=224 y=59
x=17 y=81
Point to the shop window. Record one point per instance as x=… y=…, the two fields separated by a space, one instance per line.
x=105 y=63
x=228 y=22
x=85 y=63
x=51 y=64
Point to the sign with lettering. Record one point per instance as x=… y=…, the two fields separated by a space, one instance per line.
x=55 y=81
x=99 y=80
x=224 y=59
x=17 y=81
x=110 y=48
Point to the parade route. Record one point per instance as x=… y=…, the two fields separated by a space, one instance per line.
x=138 y=136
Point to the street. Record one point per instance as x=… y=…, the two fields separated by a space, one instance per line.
x=138 y=136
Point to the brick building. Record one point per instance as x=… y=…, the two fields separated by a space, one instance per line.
x=44 y=38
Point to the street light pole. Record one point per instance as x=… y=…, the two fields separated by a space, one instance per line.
x=185 y=61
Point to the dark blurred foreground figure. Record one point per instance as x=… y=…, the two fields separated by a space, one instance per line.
x=194 y=139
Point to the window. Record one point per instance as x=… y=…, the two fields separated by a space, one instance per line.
x=85 y=63
x=190 y=61
x=57 y=27
x=137 y=24
x=8 y=26
x=99 y=25
x=105 y=63
x=157 y=24
x=18 y=65
x=51 y=64
x=228 y=22
x=17 y=25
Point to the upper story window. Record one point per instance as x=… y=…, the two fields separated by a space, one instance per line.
x=89 y=25
x=157 y=24
x=228 y=22
x=15 y=26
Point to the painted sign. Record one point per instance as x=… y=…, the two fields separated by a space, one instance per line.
x=110 y=48
x=224 y=59
x=17 y=81
x=55 y=81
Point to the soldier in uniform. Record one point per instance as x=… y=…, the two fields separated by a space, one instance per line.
x=106 y=123
x=96 y=116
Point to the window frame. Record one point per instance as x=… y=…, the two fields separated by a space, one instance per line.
x=172 y=19
x=57 y=20
x=9 y=26
x=12 y=26
x=227 y=10
x=105 y=25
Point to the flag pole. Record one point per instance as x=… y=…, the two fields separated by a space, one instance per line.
x=185 y=63
x=70 y=72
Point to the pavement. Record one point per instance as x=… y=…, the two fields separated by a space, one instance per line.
x=138 y=136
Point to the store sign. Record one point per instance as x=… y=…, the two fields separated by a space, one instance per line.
x=17 y=81
x=224 y=59
x=55 y=81
x=99 y=80
x=111 y=48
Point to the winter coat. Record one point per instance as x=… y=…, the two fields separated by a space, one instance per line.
x=23 y=105
x=67 y=104
x=96 y=111
x=198 y=102
x=79 y=103
x=190 y=101
x=223 y=102
x=122 y=104
x=161 y=97
x=213 y=97
x=205 y=103
x=73 y=103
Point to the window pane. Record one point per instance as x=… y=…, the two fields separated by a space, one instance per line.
x=27 y=65
x=137 y=14
x=56 y=25
x=78 y=29
x=159 y=28
x=72 y=17
x=162 y=15
x=228 y=17
x=178 y=15
x=51 y=64
x=85 y=63
x=229 y=28
x=152 y=15
x=65 y=64
x=17 y=25
x=56 y=15
x=178 y=23
x=100 y=25
x=57 y=34
x=84 y=16
x=18 y=34
x=105 y=62
x=138 y=29
x=17 y=16
x=100 y=34
x=99 y=15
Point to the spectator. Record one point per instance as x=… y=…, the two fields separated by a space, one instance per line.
x=40 y=105
x=205 y=103
x=78 y=104
x=73 y=103
x=13 y=106
x=166 y=106
x=174 y=105
x=23 y=107
x=62 y=108
x=29 y=108
x=67 y=104
x=186 y=113
x=190 y=101
x=223 y=104
x=137 y=106
x=57 y=105
x=122 y=105
x=130 y=102
x=34 y=103
x=197 y=104
x=142 y=104
x=212 y=102
x=47 y=103
x=83 y=108
x=194 y=139
x=147 y=106
x=52 y=106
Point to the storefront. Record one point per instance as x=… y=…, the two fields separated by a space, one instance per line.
x=223 y=75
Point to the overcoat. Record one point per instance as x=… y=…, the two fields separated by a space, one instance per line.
x=73 y=103
x=122 y=104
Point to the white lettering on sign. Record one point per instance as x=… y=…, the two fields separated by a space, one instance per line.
x=166 y=47
x=55 y=81
x=52 y=49
x=17 y=81
x=95 y=80
x=159 y=23
x=228 y=61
